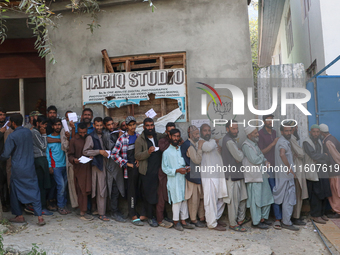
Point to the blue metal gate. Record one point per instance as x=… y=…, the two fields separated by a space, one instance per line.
x=325 y=101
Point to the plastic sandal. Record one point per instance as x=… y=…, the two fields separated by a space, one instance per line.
x=277 y=225
x=137 y=222
x=103 y=218
x=238 y=228
x=246 y=220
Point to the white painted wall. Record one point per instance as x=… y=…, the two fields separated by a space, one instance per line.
x=330 y=21
x=307 y=34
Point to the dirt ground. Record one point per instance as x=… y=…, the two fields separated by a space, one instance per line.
x=70 y=235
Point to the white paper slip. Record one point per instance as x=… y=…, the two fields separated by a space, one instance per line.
x=84 y=159
x=72 y=116
x=6 y=124
x=64 y=122
x=151 y=113
x=156 y=148
x=108 y=152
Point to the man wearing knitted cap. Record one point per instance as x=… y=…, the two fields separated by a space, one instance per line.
x=332 y=148
x=260 y=196
x=284 y=190
x=213 y=183
x=317 y=181
x=300 y=180
x=191 y=151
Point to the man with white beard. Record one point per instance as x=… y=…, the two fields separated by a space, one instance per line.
x=213 y=183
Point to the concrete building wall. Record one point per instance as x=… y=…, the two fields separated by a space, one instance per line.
x=307 y=36
x=214 y=35
x=331 y=37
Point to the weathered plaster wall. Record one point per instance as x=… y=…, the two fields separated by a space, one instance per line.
x=214 y=34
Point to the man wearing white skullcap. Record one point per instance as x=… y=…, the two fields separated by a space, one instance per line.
x=260 y=196
x=332 y=148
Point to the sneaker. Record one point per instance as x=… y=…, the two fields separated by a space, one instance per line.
x=178 y=226
x=261 y=225
x=199 y=224
x=188 y=226
x=29 y=209
x=298 y=222
x=318 y=220
x=165 y=224
x=152 y=223
x=118 y=217
x=46 y=212
x=290 y=227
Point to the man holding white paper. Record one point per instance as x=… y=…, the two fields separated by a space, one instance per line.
x=150 y=159
x=65 y=136
x=82 y=172
x=94 y=148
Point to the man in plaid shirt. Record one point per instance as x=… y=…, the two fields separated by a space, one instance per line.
x=124 y=154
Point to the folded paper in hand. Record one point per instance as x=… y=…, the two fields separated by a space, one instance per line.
x=84 y=159
x=72 y=116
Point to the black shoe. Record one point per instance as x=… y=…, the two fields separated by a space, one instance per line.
x=333 y=216
x=153 y=223
x=188 y=226
x=199 y=224
x=261 y=225
x=290 y=227
x=268 y=222
x=178 y=226
x=298 y=222
x=118 y=217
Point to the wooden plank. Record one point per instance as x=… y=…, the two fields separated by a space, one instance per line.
x=144 y=57
x=186 y=84
x=107 y=61
x=161 y=63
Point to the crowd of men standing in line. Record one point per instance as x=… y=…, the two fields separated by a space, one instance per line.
x=40 y=168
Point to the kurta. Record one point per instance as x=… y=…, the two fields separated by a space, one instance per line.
x=284 y=181
x=82 y=172
x=69 y=168
x=298 y=161
x=171 y=161
x=334 y=181
x=214 y=185
x=24 y=181
x=259 y=193
x=98 y=178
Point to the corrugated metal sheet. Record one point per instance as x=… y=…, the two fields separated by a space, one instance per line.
x=270 y=14
x=283 y=76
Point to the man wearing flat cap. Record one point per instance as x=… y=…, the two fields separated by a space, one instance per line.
x=33 y=116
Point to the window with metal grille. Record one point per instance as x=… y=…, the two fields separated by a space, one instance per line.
x=289 y=33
